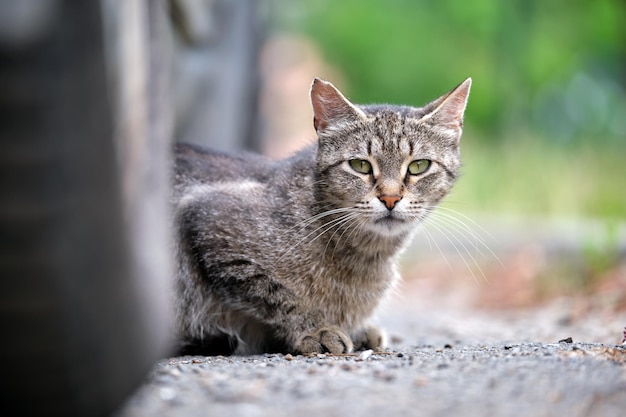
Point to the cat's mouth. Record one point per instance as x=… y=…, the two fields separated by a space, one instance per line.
x=391 y=224
x=390 y=219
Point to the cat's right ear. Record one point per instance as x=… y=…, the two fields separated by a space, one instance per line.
x=330 y=107
x=447 y=111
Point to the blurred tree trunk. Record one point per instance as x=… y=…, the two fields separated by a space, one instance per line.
x=216 y=74
x=83 y=258
x=137 y=38
x=86 y=120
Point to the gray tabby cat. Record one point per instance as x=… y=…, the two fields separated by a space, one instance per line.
x=296 y=255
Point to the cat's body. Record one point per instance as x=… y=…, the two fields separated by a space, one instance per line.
x=295 y=255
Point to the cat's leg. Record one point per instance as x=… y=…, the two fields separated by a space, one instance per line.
x=261 y=297
x=219 y=344
x=248 y=289
x=326 y=339
x=370 y=337
x=245 y=287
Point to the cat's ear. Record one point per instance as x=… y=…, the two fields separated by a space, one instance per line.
x=330 y=107
x=447 y=111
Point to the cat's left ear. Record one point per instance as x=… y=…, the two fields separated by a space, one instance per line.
x=330 y=107
x=447 y=111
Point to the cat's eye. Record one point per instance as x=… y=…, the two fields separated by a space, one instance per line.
x=418 y=167
x=361 y=166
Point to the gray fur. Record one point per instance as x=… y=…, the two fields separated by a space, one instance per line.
x=296 y=255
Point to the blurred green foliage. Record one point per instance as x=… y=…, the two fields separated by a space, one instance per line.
x=546 y=123
x=556 y=68
x=534 y=178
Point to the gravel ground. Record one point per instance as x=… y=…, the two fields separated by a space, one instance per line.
x=439 y=364
x=519 y=379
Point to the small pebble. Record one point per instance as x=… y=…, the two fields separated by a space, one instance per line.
x=167 y=394
x=420 y=381
x=364 y=355
x=566 y=340
x=385 y=376
x=347 y=367
x=289 y=357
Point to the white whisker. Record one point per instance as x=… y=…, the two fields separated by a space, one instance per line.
x=356 y=229
x=449 y=235
x=478 y=241
x=304 y=223
x=347 y=219
x=325 y=227
x=474 y=239
x=467 y=218
x=431 y=240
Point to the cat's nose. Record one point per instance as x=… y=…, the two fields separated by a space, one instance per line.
x=390 y=201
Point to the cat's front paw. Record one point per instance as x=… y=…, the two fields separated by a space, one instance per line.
x=370 y=337
x=329 y=339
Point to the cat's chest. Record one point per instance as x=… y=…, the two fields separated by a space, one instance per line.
x=348 y=296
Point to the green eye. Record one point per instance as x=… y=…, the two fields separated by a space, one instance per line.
x=361 y=166
x=418 y=167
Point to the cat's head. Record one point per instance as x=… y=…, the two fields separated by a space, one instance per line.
x=389 y=166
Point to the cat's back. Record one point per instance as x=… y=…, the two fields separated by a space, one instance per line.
x=245 y=180
x=200 y=172
x=195 y=164
x=246 y=203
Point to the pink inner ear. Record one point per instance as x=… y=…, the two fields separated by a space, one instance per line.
x=329 y=105
x=326 y=103
x=451 y=110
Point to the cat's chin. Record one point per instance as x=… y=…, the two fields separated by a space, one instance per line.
x=391 y=226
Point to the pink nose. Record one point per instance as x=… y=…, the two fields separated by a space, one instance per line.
x=390 y=200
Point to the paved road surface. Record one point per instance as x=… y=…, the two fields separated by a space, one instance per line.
x=440 y=363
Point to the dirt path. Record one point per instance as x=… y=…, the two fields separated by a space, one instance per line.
x=439 y=364
x=518 y=379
